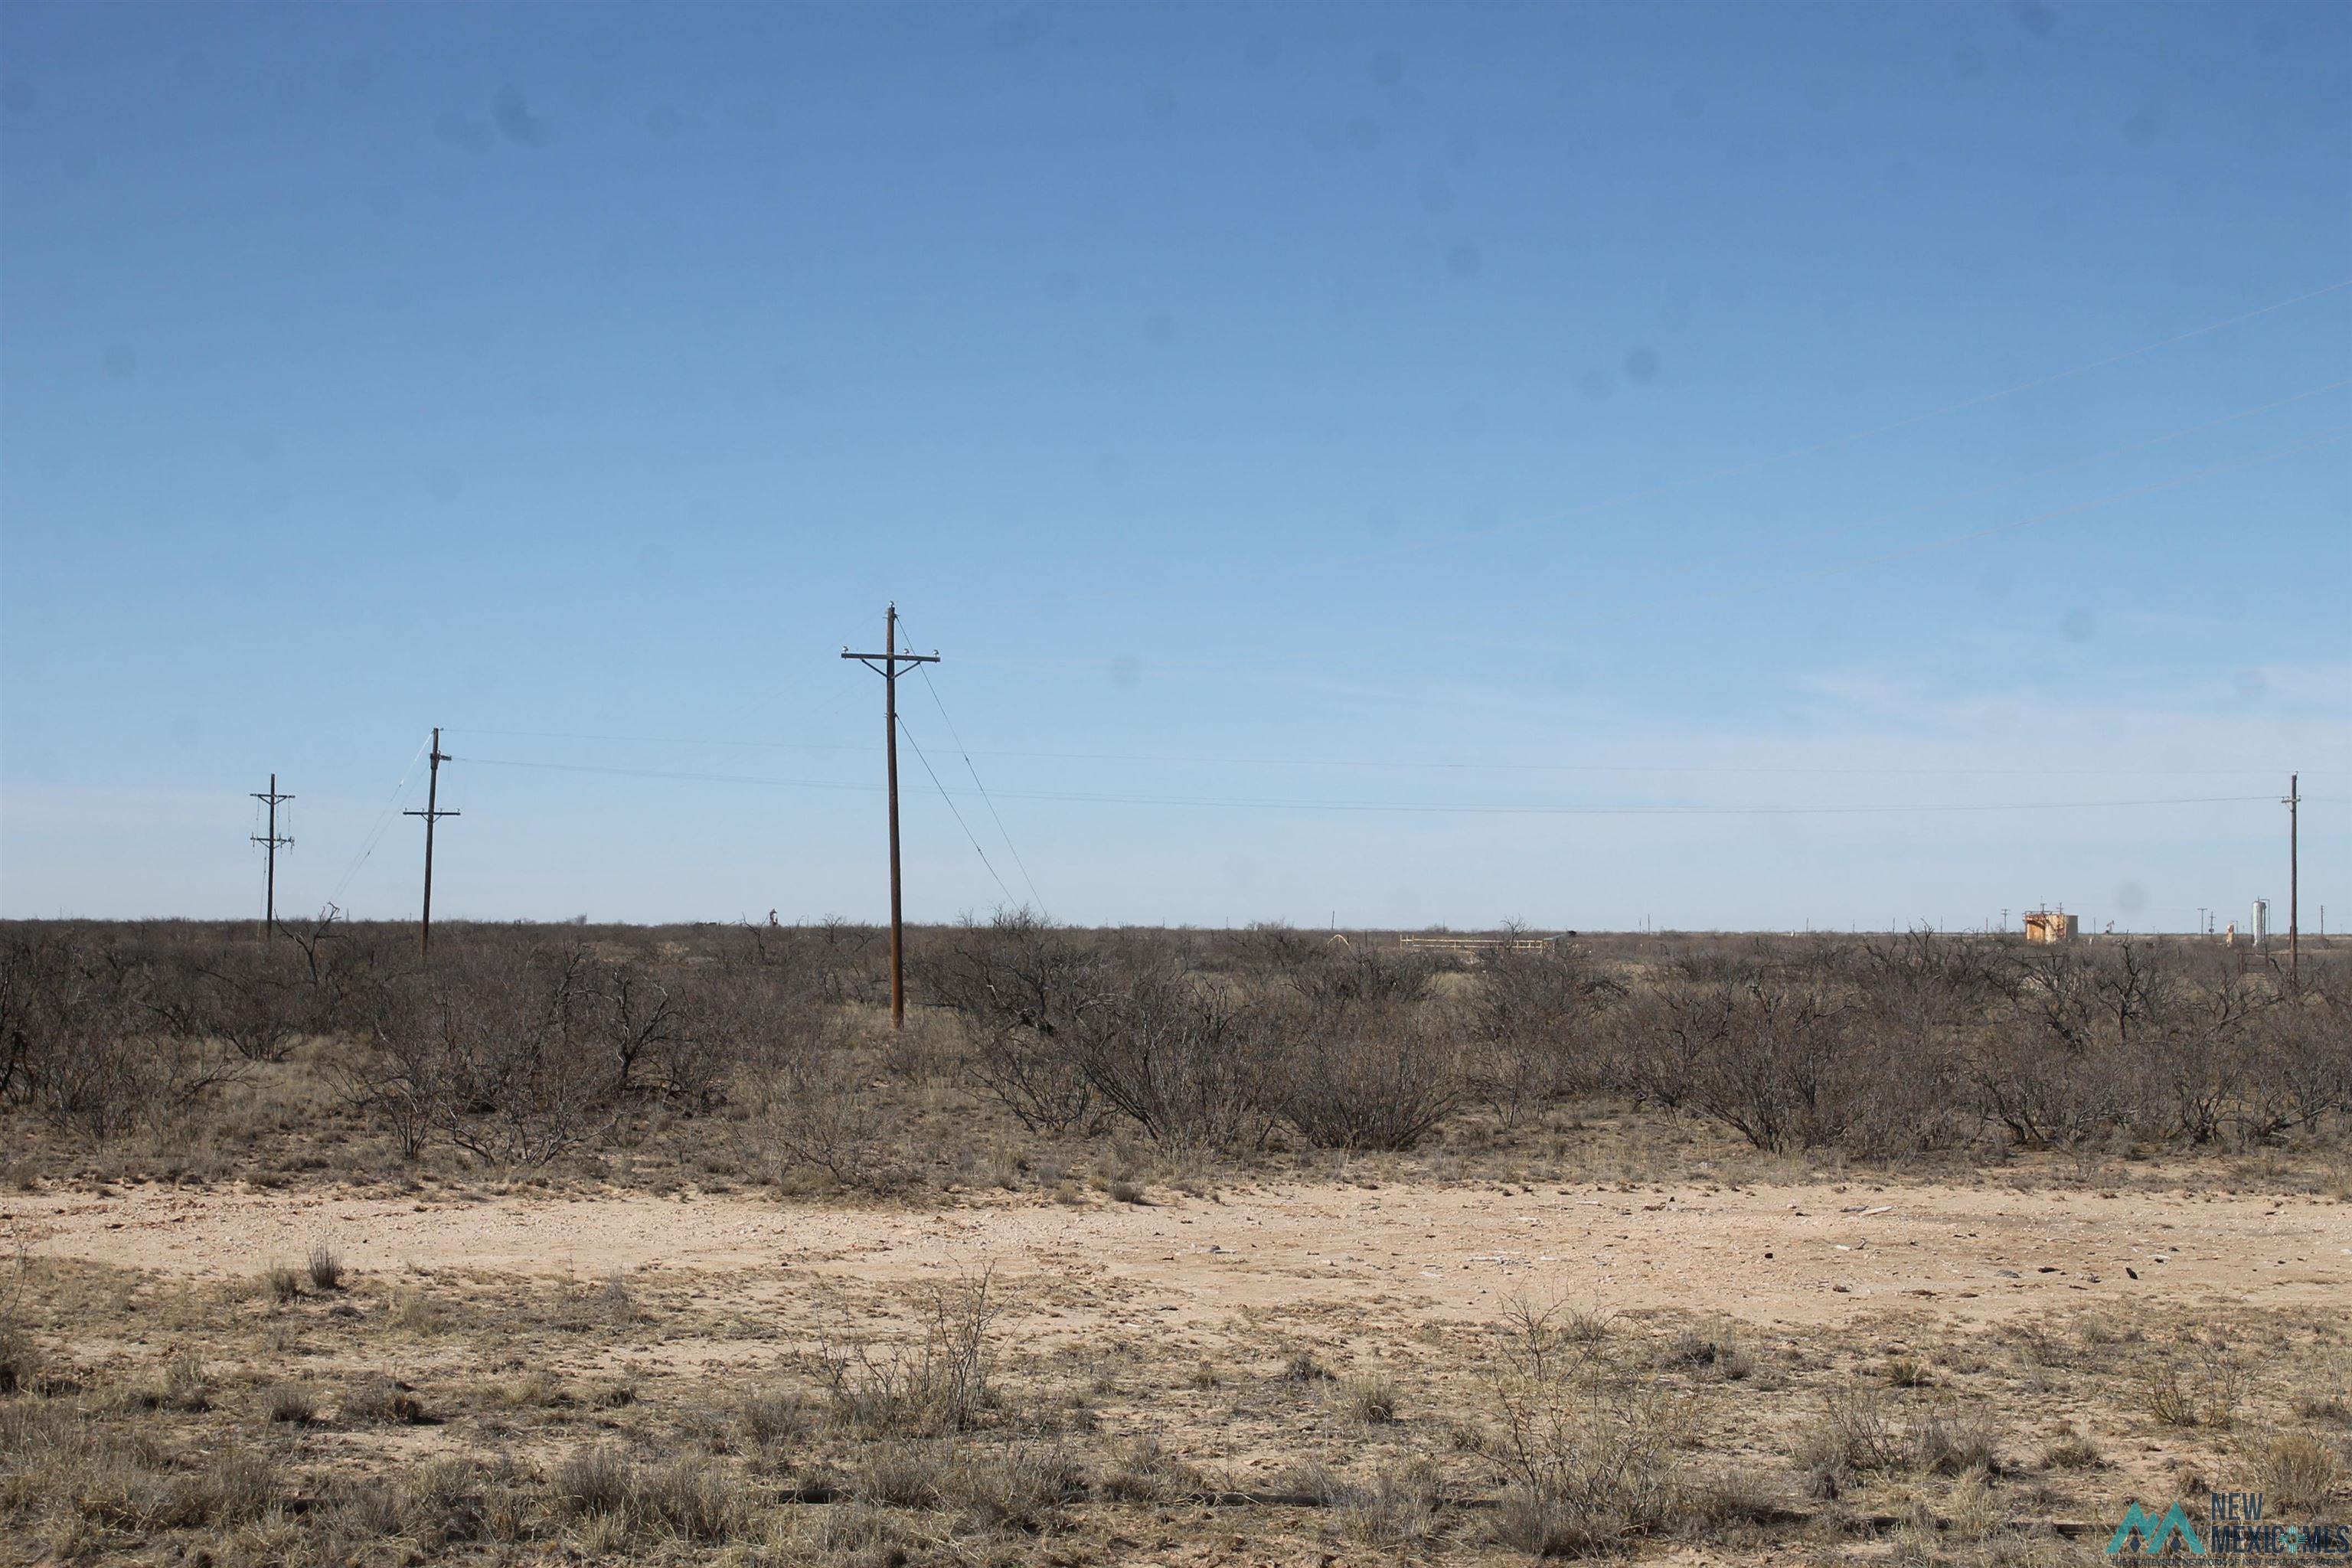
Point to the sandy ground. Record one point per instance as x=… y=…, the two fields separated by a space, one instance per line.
x=1796 y=1256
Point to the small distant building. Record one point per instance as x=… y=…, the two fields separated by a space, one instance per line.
x=2042 y=925
x=1475 y=949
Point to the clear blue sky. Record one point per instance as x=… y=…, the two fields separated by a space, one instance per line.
x=1246 y=400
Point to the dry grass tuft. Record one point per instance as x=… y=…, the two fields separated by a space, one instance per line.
x=2074 y=1451
x=381 y=1401
x=1370 y=1399
x=774 y=1419
x=1141 y=1471
x=326 y=1269
x=292 y=1405
x=2298 y=1471
x=1396 y=1509
x=938 y=1385
x=280 y=1284
x=1859 y=1433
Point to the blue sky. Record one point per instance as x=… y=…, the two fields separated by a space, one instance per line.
x=1664 y=445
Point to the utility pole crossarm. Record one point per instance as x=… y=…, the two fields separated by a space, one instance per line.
x=431 y=814
x=2293 y=804
x=885 y=664
x=272 y=839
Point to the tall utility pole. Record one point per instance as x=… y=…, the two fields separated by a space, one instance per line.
x=431 y=814
x=891 y=658
x=270 y=876
x=2293 y=804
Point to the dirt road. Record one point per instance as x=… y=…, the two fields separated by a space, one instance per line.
x=1788 y=1255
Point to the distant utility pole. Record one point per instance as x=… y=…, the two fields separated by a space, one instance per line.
x=2293 y=804
x=431 y=814
x=888 y=670
x=270 y=876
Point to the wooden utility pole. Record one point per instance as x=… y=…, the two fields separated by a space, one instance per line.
x=270 y=876
x=891 y=658
x=431 y=814
x=2293 y=804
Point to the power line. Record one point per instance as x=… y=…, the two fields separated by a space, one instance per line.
x=432 y=814
x=888 y=670
x=375 y=833
x=1395 y=763
x=1429 y=807
x=965 y=752
x=270 y=841
x=1012 y=848
x=952 y=811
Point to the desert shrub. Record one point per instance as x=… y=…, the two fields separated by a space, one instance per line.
x=1396 y=1509
x=1772 y=1060
x=1535 y=1022
x=1715 y=1355
x=1186 y=1058
x=1382 y=1084
x=497 y=1049
x=57 y=1461
x=2299 y=1471
x=524 y=1078
x=20 y=1353
x=1853 y=1436
x=1023 y=988
x=936 y=1385
x=2073 y=1451
x=102 y=1035
x=1583 y=1442
x=1860 y=1432
x=2194 y=1391
x=596 y=1480
x=20 y=1358
x=822 y=1111
x=656 y=1036
x=181 y=1383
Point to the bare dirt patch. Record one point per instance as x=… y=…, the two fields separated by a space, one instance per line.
x=1798 y=1255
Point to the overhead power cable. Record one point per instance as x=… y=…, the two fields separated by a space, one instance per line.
x=1472 y=808
x=375 y=833
x=965 y=752
x=1206 y=759
x=950 y=804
